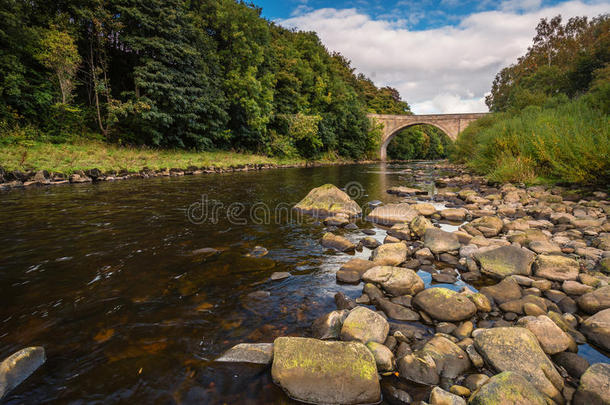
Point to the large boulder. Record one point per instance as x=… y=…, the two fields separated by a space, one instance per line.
x=391 y=214
x=595 y=301
x=445 y=305
x=507 y=388
x=597 y=329
x=439 y=357
x=439 y=241
x=395 y=280
x=328 y=200
x=505 y=261
x=594 y=387
x=352 y=271
x=337 y=242
x=488 y=226
x=323 y=372
x=551 y=338
x=365 y=326
x=517 y=349
x=255 y=353
x=18 y=367
x=555 y=267
x=390 y=254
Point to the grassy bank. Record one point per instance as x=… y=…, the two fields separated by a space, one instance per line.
x=569 y=142
x=83 y=155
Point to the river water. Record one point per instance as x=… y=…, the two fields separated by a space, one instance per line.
x=108 y=278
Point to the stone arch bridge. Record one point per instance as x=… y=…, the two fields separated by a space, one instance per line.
x=451 y=124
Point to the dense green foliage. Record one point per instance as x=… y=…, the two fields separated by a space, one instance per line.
x=552 y=106
x=564 y=60
x=197 y=74
x=420 y=142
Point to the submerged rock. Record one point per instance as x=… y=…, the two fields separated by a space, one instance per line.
x=352 y=271
x=337 y=242
x=328 y=200
x=517 y=349
x=445 y=305
x=323 y=372
x=507 y=388
x=505 y=261
x=256 y=353
x=18 y=367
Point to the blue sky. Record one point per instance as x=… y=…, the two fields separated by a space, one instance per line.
x=417 y=15
x=441 y=55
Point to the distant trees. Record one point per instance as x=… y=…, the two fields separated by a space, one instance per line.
x=563 y=61
x=198 y=74
x=420 y=142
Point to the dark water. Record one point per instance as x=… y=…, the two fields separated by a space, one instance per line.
x=104 y=277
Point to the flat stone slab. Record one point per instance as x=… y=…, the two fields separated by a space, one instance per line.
x=325 y=372
x=391 y=214
x=256 y=353
x=505 y=261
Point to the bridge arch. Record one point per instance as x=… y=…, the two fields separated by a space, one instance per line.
x=451 y=124
x=383 y=153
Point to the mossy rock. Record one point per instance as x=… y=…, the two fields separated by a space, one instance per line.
x=322 y=372
x=445 y=305
x=517 y=349
x=507 y=388
x=505 y=261
x=328 y=200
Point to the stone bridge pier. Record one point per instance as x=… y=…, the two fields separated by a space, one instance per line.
x=451 y=124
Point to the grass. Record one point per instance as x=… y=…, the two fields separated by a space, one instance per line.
x=82 y=155
x=567 y=143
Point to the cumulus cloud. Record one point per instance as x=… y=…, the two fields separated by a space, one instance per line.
x=440 y=70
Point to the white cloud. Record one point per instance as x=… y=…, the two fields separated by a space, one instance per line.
x=447 y=69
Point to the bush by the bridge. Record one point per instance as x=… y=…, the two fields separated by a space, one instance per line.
x=569 y=142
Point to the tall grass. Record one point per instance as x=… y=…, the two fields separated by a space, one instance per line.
x=565 y=143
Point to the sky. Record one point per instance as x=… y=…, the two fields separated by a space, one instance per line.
x=442 y=55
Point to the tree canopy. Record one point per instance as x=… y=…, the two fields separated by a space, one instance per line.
x=197 y=74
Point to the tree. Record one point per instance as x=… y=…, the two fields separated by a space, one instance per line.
x=59 y=54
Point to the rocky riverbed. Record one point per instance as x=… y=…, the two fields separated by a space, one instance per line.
x=538 y=261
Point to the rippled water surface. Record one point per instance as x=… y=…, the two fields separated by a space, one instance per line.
x=105 y=278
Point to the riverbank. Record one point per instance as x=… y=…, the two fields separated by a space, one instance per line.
x=89 y=161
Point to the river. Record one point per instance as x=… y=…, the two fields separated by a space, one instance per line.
x=108 y=279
